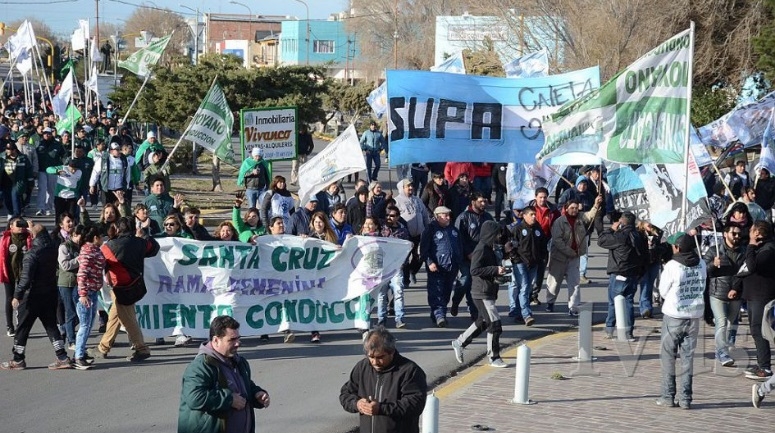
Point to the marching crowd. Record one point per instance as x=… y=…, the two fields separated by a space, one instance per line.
x=441 y=208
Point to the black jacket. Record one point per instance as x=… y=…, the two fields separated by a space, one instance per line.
x=758 y=272
x=39 y=269
x=469 y=224
x=627 y=251
x=720 y=279
x=530 y=244
x=484 y=263
x=400 y=391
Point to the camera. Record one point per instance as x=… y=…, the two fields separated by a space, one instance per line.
x=505 y=278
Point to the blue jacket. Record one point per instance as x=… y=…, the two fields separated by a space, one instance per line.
x=441 y=245
x=341 y=231
x=372 y=140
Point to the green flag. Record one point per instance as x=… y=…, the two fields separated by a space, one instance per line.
x=69 y=65
x=72 y=116
x=640 y=116
x=212 y=125
x=140 y=61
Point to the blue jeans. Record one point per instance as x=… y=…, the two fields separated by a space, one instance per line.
x=583 y=265
x=439 y=290
x=523 y=279
x=12 y=201
x=372 y=159
x=463 y=288
x=86 y=317
x=626 y=288
x=66 y=295
x=397 y=285
x=646 y=285
x=679 y=338
x=724 y=318
x=252 y=196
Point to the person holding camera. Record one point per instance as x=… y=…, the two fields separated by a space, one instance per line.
x=527 y=252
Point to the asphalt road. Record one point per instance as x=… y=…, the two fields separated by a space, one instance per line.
x=302 y=378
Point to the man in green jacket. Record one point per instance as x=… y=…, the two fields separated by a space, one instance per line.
x=218 y=394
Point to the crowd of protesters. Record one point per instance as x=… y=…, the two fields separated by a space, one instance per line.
x=444 y=209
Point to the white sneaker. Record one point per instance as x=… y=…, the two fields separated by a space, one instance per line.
x=458 y=348
x=498 y=363
x=48 y=213
x=39 y=213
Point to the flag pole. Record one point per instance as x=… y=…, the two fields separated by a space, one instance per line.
x=687 y=135
x=147 y=77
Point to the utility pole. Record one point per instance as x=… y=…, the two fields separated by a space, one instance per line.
x=97 y=23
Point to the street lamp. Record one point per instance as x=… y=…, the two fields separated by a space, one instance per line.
x=196 y=33
x=308 y=42
x=250 y=41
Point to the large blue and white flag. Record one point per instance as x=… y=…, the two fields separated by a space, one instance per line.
x=528 y=66
x=767 y=157
x=469 y=118
x=377 y=99
x=654 y=193
x=749 y=121
x=453 y=65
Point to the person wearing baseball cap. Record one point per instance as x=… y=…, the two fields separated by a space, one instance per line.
x=254 y=175
x=681 y=285
x=112 y=172
x=442 y=252
x=50 y=154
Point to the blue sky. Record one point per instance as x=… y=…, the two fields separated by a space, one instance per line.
x=63 y=15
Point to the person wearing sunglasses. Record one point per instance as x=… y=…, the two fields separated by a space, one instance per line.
x=172 y=228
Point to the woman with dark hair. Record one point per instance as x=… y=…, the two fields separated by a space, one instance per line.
x=65 y=225
x=250 y=225
x=435 y=192
x=277 y=202
x=146 y=226
x=377 y=201
x=67 y=281
x=91 y=265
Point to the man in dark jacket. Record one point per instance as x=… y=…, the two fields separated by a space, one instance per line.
x=386 y=389
x=723 y=263
x=468 y=224
x=442 y=252
x=529 y=252
x=15 y=179
x=499 y=185
x=485 y=267
x=301 y=218
x=758 y=288
x=50 y=153
x=124 y=257
x=36 y=298
x=627 y=253
x=765 y=190
x=218 y=393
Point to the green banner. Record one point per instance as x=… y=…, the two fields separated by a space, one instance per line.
x=212 y=125
x=640 y=116
x=140 y=61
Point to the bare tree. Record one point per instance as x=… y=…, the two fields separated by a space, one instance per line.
x=409 y=25
x=159 y=23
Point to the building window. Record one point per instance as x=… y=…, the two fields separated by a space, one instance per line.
x=324 y=47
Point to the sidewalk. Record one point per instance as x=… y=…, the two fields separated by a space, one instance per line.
x=616 y=392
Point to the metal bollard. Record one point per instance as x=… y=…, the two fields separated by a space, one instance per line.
x=585 y=333
x=621 y=318
x=430 y=415
x=522 y=380
x=584 y=359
